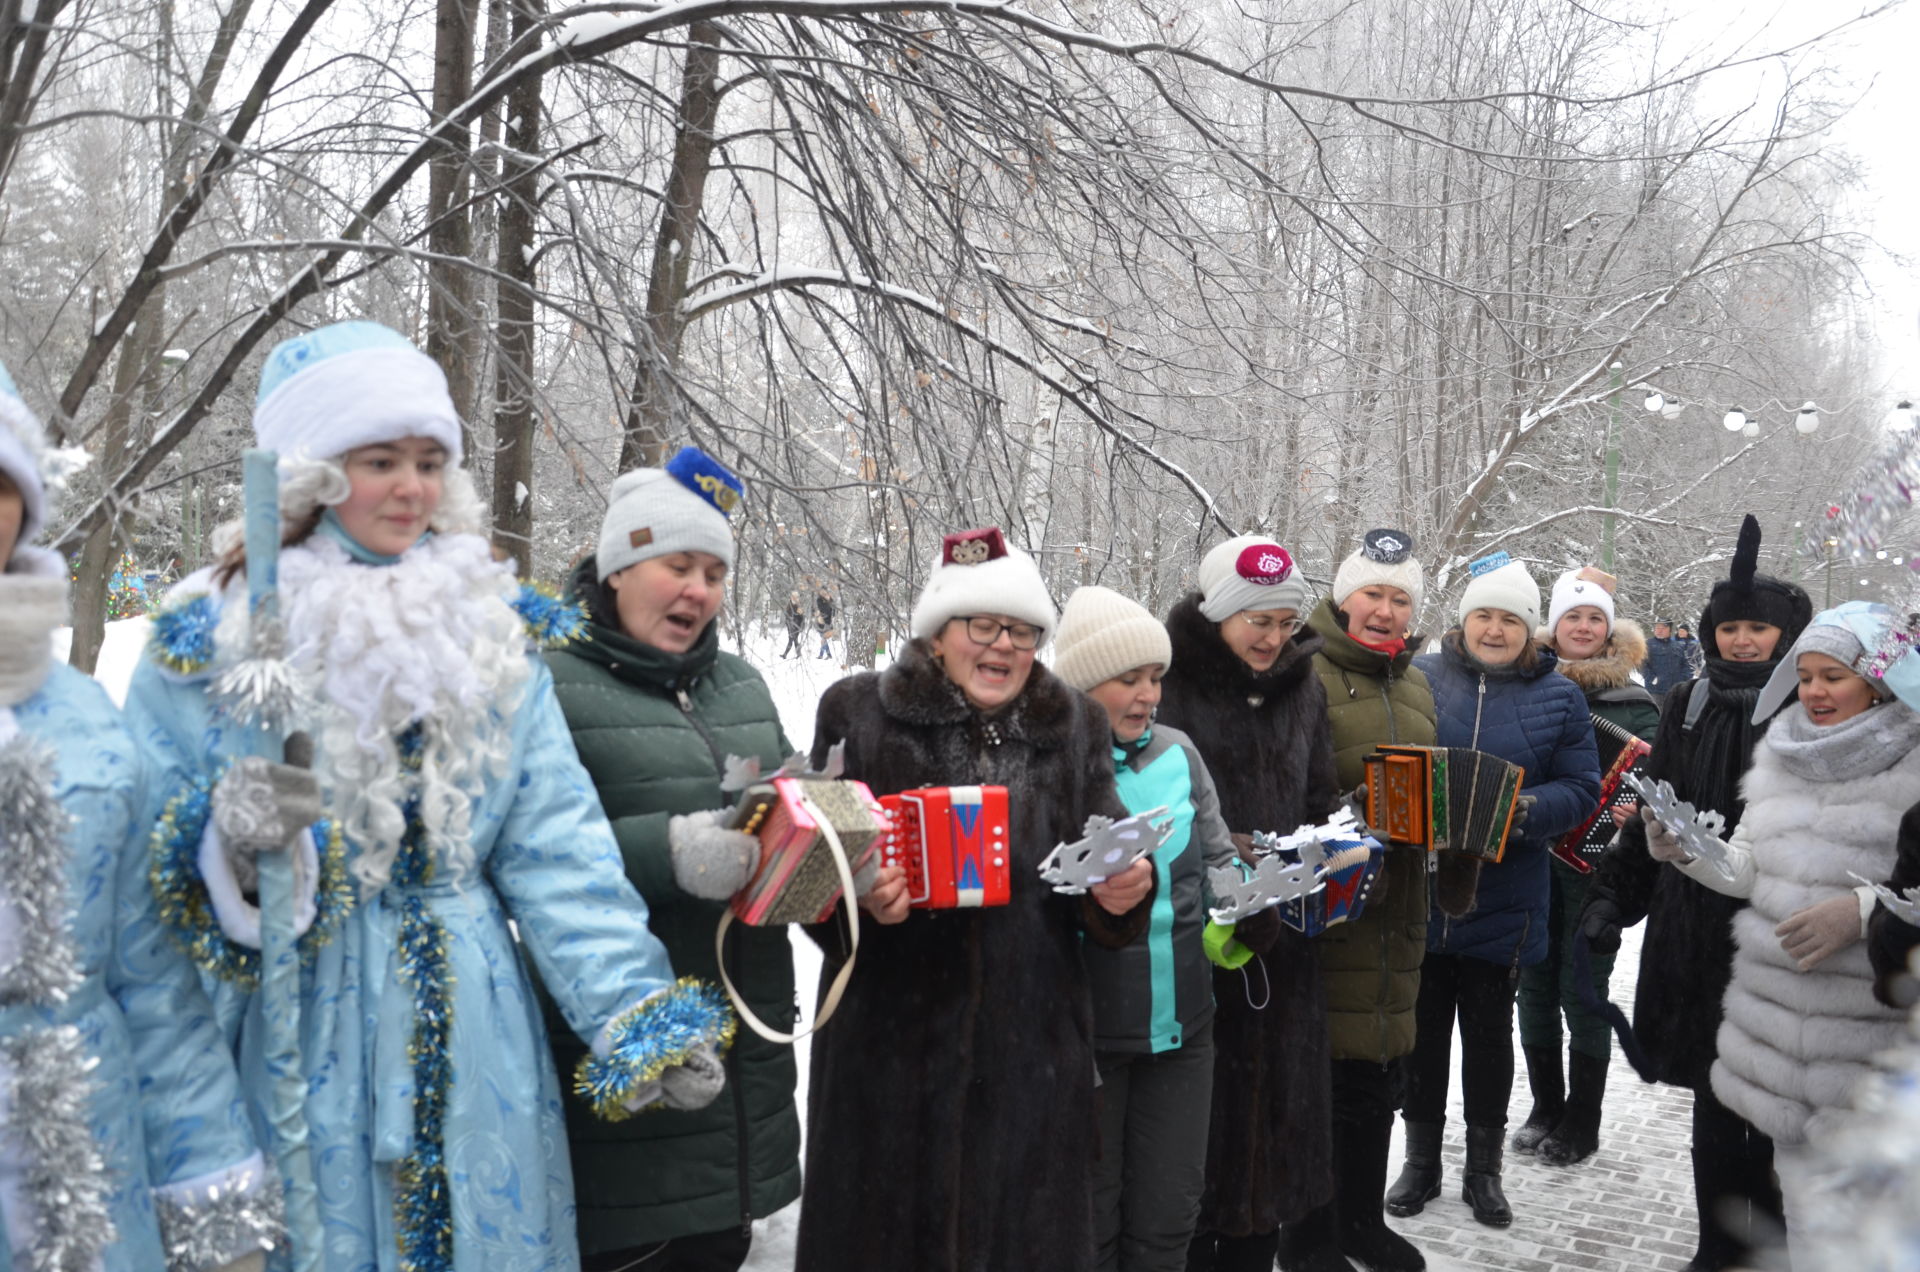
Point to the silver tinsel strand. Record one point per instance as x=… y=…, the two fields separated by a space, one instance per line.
x=33 y=857
x=218 y=1225
x=262 y=688
x=64 y=1176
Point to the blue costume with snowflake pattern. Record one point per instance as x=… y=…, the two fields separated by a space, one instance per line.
x=433 y=1108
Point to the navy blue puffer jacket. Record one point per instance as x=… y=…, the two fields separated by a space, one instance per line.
x=1539 y=721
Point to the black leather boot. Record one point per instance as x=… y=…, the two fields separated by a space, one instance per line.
x=1578 y=1134
x=1312 y=1244
x=1549 y=1098
x=1419 y=1181
x=1360 y=1176
x=1480 y=1184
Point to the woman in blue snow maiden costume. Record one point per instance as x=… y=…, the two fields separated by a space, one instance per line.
x=124 y=1145
x=451 y=800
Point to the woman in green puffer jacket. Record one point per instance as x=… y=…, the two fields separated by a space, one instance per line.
x=655 y=709
x=1372 y=964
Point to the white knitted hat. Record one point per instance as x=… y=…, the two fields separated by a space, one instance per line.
x=681 y=507
x=1102 y=634
x=351 y=384
x=1384 y=558
x=1503 y=585
x=977 y=573
x=23 y=444
x=1584 y=586
x=1250 y=572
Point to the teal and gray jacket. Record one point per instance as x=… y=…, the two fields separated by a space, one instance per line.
x=1150 y=995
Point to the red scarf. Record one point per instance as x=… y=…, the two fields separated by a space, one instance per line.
x=1392 y=649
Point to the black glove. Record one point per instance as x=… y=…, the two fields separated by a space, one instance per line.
x=1600 y=923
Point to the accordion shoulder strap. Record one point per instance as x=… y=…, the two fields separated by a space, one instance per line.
x=850 y=907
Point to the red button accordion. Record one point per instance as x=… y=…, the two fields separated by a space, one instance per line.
x=952 y=841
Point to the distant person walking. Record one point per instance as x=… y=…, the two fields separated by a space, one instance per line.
x=796 y=623
x=823 y=619
x=1667 y=664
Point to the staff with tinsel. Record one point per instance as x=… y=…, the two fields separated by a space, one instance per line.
x=253 y=810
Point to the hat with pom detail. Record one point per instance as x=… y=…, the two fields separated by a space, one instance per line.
x=682 y=506
x=1584 y=586
x=1755 y=597
x=979 y=573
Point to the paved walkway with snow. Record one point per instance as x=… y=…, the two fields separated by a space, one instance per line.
x=1629 y=1208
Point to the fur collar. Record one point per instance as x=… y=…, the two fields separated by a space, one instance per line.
x=1205 y=660
x=1613 y=666
x=915 y=690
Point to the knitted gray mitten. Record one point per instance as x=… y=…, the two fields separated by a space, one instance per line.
x=709 y=860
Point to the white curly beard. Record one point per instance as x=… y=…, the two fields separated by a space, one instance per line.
x=433 y=639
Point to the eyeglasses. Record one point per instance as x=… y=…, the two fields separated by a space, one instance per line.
x=985 y=631
x=1263 y=624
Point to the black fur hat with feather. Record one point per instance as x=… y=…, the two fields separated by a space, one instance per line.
x=1748 y=594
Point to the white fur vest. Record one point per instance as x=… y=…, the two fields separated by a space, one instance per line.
x=1792 y=1043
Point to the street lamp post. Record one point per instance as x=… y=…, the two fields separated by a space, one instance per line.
x=1613 y=470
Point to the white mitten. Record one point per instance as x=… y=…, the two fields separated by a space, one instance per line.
x=710 y=860
x=1662 y=844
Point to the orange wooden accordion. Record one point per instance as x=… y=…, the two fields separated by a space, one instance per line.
x=1443 y=798
x=952 y=840
x=797 y=881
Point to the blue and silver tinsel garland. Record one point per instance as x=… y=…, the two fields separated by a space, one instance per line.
x=187 y=910
x=422 y=1202
x=211 y=1227
x=33 y=874
x=552 y=620
x=64 y=1175
x=181 y=637
x=648 y=1039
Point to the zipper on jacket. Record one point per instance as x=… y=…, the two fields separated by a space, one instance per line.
x=1479 y=706
x=685 y=702
x=742 y=1159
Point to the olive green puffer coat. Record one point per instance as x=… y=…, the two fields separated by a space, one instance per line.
x=653 y=729
x=1372 y=964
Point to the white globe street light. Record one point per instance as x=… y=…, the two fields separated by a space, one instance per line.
x=1808 y=421
x=1734 y=420
x=1656 y=400
x=1902 y=416
x=1750 y=429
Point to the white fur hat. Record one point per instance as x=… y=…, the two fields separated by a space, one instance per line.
x=1384 y=558
x=23 y=444
x=1503 y=584
x=351 y=384
x=1584 y=586
x=978 y=573
x=1249 y=572
x=1102 y=634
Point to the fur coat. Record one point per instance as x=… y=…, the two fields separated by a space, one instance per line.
x=950 y=1110
x=1686 y=955
x=1268 y=743
x=1793 y=1044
